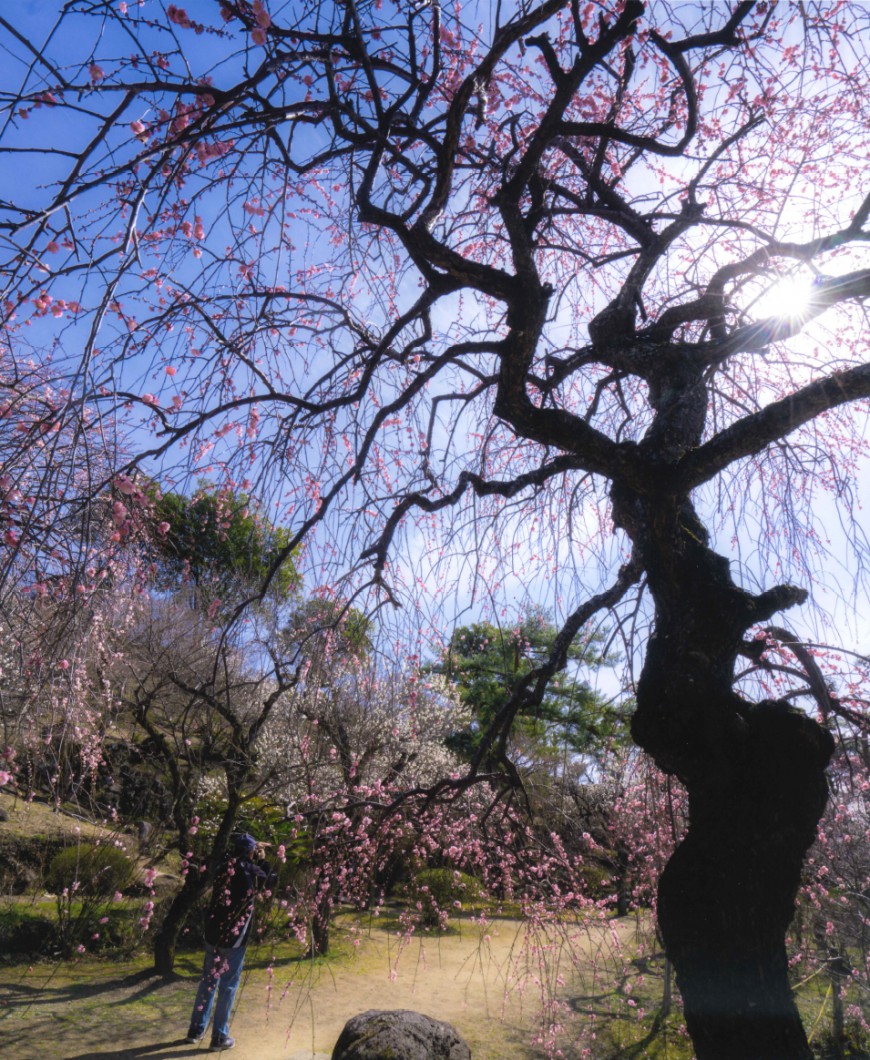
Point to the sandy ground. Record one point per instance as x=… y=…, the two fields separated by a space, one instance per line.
x=488 y=982
x=294 y=1010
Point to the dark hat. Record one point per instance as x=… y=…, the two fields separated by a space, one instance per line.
x=245 y=844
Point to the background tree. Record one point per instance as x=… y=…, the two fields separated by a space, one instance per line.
x=217 y=543
x=324 y=635
x=343 y=753
x=156 y=679
x=566 y=748
x=519 y=269
x=486 y=663
x=201 y=704
x=348 y=742
x=202 y=699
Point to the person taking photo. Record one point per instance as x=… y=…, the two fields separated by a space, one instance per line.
x=242 y=876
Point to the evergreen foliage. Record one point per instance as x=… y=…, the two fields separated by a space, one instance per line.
x=486 y=663
x=218 y=542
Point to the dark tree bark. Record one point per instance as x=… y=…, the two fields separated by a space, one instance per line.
x=180 y=908
x=201 y=706
x=727 y=895
x=195 y=886
x=318 y=945
x=755 y=775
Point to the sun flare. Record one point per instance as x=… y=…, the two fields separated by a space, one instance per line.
x=787 y=297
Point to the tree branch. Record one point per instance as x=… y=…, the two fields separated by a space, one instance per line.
x=754 y=433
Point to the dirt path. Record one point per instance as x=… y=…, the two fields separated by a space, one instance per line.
x=487 y=982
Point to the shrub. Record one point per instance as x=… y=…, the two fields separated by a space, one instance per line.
x=97 y=871
x=598 y=879
x=24 y=860
x=84 y=880
x=439 y=889
x=263 y=818
x=25 y=931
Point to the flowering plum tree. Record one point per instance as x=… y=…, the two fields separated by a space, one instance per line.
x=201 y=706
x=586 y=277
x=344 y=745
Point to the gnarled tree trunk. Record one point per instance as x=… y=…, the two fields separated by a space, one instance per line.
x=727 y=895
x=755 y=777
x=166 y=939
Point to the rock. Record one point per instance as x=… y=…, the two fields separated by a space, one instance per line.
x=399 y=1035
x=144 y=835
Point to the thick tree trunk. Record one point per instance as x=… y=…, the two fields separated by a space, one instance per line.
x=727 y=895
x=755 y=777
x=179 y=910
x=195 y=883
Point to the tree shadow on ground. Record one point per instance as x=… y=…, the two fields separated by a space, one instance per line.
x=48 y=1014
x=27 y=994
x=153 y=1051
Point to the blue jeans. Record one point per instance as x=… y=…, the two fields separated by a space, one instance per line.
x=221 y=971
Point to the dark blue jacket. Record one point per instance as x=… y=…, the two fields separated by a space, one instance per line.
x=228 y=921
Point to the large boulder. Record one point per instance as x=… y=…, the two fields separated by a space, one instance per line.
x=399 y=1035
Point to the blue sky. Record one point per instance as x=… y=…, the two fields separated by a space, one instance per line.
x=147 y=370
